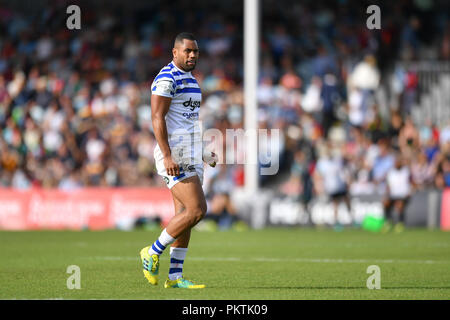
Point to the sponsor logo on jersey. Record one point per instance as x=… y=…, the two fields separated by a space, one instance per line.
x=192 y=104
x=189 y=115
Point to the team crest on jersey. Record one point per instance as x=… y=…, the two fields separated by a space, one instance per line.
x=166 y=180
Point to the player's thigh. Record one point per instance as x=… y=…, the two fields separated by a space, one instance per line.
x=387 y=203
x=179 y=207
x=334 y=200
x=190 y=193
x=400 y=205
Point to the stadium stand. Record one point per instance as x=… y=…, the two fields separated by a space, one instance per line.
x=74 y=105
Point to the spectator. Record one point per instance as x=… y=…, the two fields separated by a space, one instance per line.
x=409 y=139
x=421 y=171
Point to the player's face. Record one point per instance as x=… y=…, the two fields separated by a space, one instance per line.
x=186 y=54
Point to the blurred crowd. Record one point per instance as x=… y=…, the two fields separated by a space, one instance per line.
x=319 y=81
x=75 y=104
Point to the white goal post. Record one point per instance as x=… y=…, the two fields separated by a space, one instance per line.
x=251 y=65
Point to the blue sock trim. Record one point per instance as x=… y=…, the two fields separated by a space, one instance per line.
x=173 y=260
x=160 y=245
x=175 y=270
x=154 y=248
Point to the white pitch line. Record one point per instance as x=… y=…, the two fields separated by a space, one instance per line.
x=307 y=260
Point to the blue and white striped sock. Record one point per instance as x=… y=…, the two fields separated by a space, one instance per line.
x=177 y=256
x=159 y=245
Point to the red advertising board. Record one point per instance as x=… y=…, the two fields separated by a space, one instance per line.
x=93 y=208
x=445 y=210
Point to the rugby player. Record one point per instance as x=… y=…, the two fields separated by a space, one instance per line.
x=175 y=103
x=399 y=188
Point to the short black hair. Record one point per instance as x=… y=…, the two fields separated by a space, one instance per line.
x=184 y=35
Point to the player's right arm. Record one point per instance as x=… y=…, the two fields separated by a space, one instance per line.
x=160 y=107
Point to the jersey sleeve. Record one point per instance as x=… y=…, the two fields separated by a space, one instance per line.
x=164 y=85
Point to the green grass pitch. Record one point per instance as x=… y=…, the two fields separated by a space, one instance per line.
x=274 y=263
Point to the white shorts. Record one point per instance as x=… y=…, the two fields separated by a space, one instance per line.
x=186 y=170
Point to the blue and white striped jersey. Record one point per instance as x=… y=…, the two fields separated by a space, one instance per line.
x=183 y=115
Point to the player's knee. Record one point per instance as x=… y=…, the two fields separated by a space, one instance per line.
x=197 y=214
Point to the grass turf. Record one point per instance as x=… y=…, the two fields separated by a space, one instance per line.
x=284 y=263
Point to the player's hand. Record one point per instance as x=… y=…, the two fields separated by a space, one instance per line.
x=210 y=158
x=214 y=159
x=172 y=168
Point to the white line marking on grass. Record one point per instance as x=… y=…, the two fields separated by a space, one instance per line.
x=34 y=299
x=319 y=260
x=306 y=260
